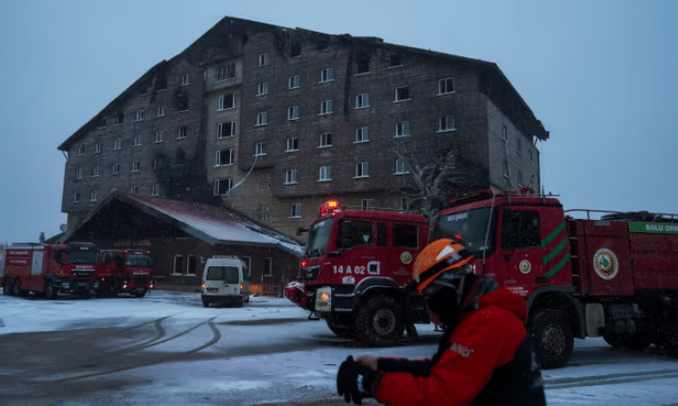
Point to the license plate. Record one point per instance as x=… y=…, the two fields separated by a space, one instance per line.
x=212 y=290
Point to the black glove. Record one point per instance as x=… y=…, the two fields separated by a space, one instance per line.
x=354 y=381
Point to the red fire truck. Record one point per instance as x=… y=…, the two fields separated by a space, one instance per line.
x=48 y=270
x=125 y=271
x=614 y=276
x=353 y=270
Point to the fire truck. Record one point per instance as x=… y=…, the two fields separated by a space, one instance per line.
x=354 y=269
x=125 y=271
x=583 y=273
x=47 y=270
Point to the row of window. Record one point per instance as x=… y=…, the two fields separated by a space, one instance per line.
x=362 y=59
x=160 y=137
x=360 y=170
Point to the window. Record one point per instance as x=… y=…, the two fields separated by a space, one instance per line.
x=227 y=101
x=362 y=100
x=182 y=102
x=221 y=186
x=262 y=118
x=325 y=173
x=367 y=204
x=191 y=265
x=159 y=137
x=405 y=235
x=81 y=149
x=140 y=115
x=446 y=86
x=325 y=140
x=293 y=113
x=262 y=88
x=101 y=123
x=120 y=118
x=117 y=144
x=160 y=112
x=95 y=170
x=293 y=82
x=529 y=156
x=292 y=144
x=362 y=170
x=135 y=166
x=97 y=148
x=396 y=60
x=116 y=169
x=154 y=189
x=402 y=93
x=185 y=80
x=225 y=72
x=326 y=107
x=362 y=63
x=158 y=162
x=520 y=229
x=402 y=129
x=226 y=129
x=137 y=140
x=93 y=196
x=504 y=133
x=519 y=147
x=181 y=134
x=76 y=198
x=268 y=266
x=224 y=157
x=295 y=210
x=520 y=178
x=401 y=167
x=352 y=233
x=178 y=264
x=78 y=173
x=264 y=60
x=295 y=49
x=326 y=75
x=134 y=190
x=260 y=149
x=362 y=134
x=506 y=168
x=446 y=123
x=291 y=176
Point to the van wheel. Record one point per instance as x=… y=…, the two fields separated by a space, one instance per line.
x=7 y=287
x=205 y=302
x=50 y=291
x=242 y=302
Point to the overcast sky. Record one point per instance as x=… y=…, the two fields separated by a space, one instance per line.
x=602 y=76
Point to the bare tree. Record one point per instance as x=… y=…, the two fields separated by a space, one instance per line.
x=434 y=178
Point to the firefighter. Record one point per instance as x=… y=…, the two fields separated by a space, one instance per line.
x=483 y=358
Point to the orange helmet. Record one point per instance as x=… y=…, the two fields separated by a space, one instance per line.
x=438 y=257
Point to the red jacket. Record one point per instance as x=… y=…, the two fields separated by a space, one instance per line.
x=486 y=339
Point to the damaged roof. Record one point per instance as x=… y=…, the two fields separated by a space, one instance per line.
x=213 y=225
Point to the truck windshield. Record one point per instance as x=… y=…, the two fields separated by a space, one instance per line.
x=83 y=257
x=223 y=273
x=318 y=237
x=471 y=225
x=138 y=260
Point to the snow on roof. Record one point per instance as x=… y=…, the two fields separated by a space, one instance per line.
x=213 y=224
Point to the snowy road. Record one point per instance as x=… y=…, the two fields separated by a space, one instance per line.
x=166 y=349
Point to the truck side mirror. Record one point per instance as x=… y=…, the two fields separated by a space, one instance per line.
x=334 y=254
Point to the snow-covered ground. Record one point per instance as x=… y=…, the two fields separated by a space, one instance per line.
x=264 y=353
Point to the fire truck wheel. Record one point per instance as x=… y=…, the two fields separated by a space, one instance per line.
x=379 y=322
x=141 y=294
x=552 y=338
x=7 y=287
x=341 y=331
x=630 y=341
x=16 y=288
x=50 y=291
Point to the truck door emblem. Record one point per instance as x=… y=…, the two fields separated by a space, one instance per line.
x=406 y=257
x=525 y=266
x=606 y=264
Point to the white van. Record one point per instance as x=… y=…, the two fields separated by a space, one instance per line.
x=224 y=281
